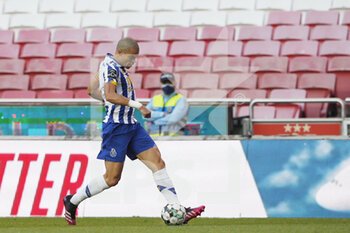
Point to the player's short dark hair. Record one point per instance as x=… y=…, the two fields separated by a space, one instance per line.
x=126 y=44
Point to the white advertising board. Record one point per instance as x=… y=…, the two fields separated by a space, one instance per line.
x=35 y=175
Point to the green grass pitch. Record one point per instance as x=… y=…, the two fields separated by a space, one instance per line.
x=155 y=225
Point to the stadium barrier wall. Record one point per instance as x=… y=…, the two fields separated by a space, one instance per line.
x=248 y=178
x=36 y=175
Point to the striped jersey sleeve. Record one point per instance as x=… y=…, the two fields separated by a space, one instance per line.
x=112 y=72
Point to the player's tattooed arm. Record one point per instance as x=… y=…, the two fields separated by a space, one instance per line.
x=93 y=89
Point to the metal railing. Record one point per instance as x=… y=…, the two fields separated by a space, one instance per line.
x=339 y=101
x=235 y=102
x=143 y=100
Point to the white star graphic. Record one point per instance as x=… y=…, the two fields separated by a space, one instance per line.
x=287 y=128
x=297 y=128
x=307 y=128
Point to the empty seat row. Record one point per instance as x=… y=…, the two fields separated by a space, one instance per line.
x=40 y=82
x=270 y=112
x=85 y=6
x=209 y=33
x=179 y=48
x=309 y=109
x=95 y=19
x=183 y=64
x=65 y=94
x=187 y=81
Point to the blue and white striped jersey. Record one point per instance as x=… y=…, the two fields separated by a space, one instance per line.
x=111 y=71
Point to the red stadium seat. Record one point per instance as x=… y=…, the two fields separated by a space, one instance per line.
x=48 y=94
x=102 y=49
x=333 y=32
x=342 y=85
x=238 y=81
x=99 y=35
x=84 y=65
x=144 y=34
x=9 y=51
x=299 y=48
x=68 y=36
x=321 y=18
x=346 y=18
x=262 y=48
x=81 y=94
x=284 y=18
x=14 y=82
x=249 y=33
x=6 y=36
x=153 y=48
x=185 y=93
x=154 y=92
x=269 y=64
x=33 y=36
x=152 y=81
x=308 y=64
x=335 y=48
x=18 y=94
x=248 y=94
x=11 y=66
x=164 y=64
x=231 y=64
x=193 y=64
x=317 y=109
x=291 y=33
x=38 y=51
x=200 y=81
x=142 y=93
x=136 y=80
x=287 y=111
x=275 y=81
x=317 y=86
x=317 y=81
x=224 y=48
x=289 y=94
x=179 y=33
x=49 y=66
x=74 y=50
x=53 y=82
x=339 y=64
x=187 y=48
x=260 y=112
x=79 y=81
x=216 y=33
x=212 y=93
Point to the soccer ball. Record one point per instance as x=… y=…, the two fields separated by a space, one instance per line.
x=173 y=214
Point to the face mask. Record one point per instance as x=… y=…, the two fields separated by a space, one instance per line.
x=168 y=89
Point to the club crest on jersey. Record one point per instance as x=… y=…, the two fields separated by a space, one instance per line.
x=113 y=153
x=112 y=73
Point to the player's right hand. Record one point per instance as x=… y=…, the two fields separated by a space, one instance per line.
x=145 y=112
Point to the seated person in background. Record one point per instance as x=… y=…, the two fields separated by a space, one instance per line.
x=168 y=110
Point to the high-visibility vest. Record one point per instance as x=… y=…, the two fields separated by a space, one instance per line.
x=168 y=107
x=159 y=105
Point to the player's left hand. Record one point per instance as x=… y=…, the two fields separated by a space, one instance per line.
x=145 y=112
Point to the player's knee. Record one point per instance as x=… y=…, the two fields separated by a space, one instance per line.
x=161 y=164
x=112 y=181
